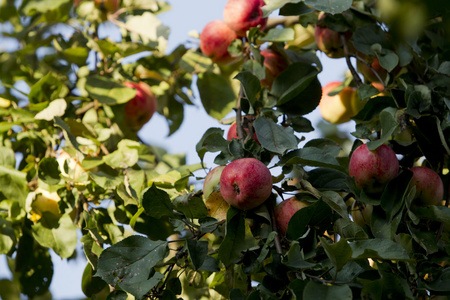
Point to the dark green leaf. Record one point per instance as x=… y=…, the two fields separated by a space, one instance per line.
x=274 y=137
x=279 y=35
x=310 y=156
x=338 y=253
x=91 y=285
x=314 y=290
x=328 y=179
x=442 y=283
x=191 y=206
x=378 y=249
x=295 y=258
x=315 y=214
x=49 y=171
x=332 y=7
x=67 y=134
x=197 y=251
x=250 y=83
x=373 y=108
x=349 y=230
x=157 y=202
x=108 y=91
x=389 y=124
x=335 y=202
x=366 y=91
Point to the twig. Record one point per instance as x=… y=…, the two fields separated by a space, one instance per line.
x=239 y=129
x=270 y=206
x=349 y=63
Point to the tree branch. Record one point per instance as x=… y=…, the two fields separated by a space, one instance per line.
x=347 y=59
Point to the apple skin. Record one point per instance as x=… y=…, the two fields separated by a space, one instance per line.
x=212 y=179
x=241 y=15
x=215 y=39
x=108 y=5
x=372 y=170
x=245 y=183
x=329 y=41
x=367 y=72
x=285 y=210
x=429 y=186
x=339 y=108
x=274 y=63
x=232 y=133
x=361 y=213
x=141 y=108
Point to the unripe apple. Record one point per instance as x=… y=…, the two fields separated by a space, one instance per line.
x=372 y=170
x=274 y=63
x=246 y=183
x=232 y=133
x=361 y=213
x=215 y=39
x=285 y=210
x=302 y=36
x=141 y=108
x=107 y=5
x=241 y=15
x=429 y=186
x=339 y=108
x=329 y=41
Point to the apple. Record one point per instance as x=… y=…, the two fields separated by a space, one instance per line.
x=303 y=36
x=107 y=5
x=372 y=170
x=232 y=133
x=241 y=15
x=369 y=74
x=245 y=183
x=215 y=39
x=361 y=213
x=339 y=108
x=274 y=63
x=429 y=186
x=285 y=210
x=329 y=41
x=141 y=108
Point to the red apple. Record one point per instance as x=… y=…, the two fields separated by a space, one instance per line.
x=215 y=39
x=429 y=186
x=246 y=183
x=241 y=15
x=274 y=63
x=329 y=41
x=361 y=213
x=141 y=108
x=372 y=170
x=232 y=133
x=339 y=108
x=107 y=5
x=285 y=210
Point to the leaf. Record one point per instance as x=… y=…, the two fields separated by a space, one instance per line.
x=62 y=239
x=293 y=81
x=349 y=230
x=48 y=171
x=191 y=206
x=366 y=91
x=7 y=157
x=250 y=83
x=435 y=213
x=108 y=91
x=279 y=35
x=211 y=141
x=56 y=108
x=216 y=93
x=148 y=29
x=366 y=36
x=328 y=179
x=13 y=184
x=126 y=155
x=389 y=124
x=373 y=107
x=7 y=237
x=47 y=88
x=295 y=258
x=274 y=137
x=378 y=249
x=442 y=283
x=335 y=202
x=197 y=251
x=310 y=156
x=77 y=55
x=237 y=237
x=67 y=134
x=388 y=59
x=9 y=290
x=157 y=202
x=130 y=264
x=315 y=214
x=393 y=197
x=332 y=7
x=314 y=290
x=105 y=180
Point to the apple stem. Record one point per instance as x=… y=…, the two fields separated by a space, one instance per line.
x=349 y=63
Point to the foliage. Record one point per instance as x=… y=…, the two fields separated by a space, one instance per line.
x=146 y=231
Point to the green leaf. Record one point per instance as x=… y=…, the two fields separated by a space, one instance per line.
x=366 y=91
x=373 y=108
x=442 y=283
x=91 y=285
x=157 y=203
x=238 y=237
x=279 y=35
x=388 y=59
x=9 y=290
x=56 y=108
x=62 y=239
x=7 y=237
x=191 y=206
x=338 y=253
x=349 y=230
x=310 y=156
x=335 y=202
x=250 y=83
x=47 y=88
x=211 y=141
x=316 y=214
x=67 y=134
x=328 y=179
x=435 y=213
x=314 y=290
x=217 y=95
x=77 y=55
x=378 y=249
x=130 y=264
x=295 y=258
x=148 y=29
x=108 y=91
x=274 y=137
x=13 y=184
x=35 y=6
x=49 y=171
x=104 y=180
x=332 y=7
x=293 y=81
x=393 y=197
x=389 y=124
x=7 y=157
x=367 y=35
x=197 y=251
x=126 y=155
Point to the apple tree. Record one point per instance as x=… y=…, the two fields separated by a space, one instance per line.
x=348 y=215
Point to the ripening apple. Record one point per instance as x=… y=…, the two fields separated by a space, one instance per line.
x=361 y=213
x=141 y=108
x=369 y=74
x=285 y=210
x=329 y=41
x=245 y=183
x=215 y=39
x=45 y=202
x=373 y=169
x=241 y=15
x=107 y=5
x=429 y=186
x=339 y=108
x=274 y=63
x=232 y=133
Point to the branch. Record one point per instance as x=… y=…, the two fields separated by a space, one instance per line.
x=239 y=129
x=349 y=63
x=270 y=206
